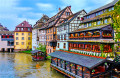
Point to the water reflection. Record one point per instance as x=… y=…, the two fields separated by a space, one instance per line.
x=20 y=65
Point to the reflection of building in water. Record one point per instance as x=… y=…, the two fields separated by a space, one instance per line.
x=23 y=64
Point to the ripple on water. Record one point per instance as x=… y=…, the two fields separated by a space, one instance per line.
x=20 y=65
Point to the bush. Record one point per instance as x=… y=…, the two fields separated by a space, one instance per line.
x=28 y=51
x=48 y=57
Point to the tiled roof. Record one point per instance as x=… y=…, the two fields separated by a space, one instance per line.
x=70 y=18
x=86 y=61
x=103 y=7
x=95 y=18
x=56 y=17
x=40 y=23
x=24 y=24
x=6 y=32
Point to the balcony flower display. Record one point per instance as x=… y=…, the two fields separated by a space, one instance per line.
x=96 y=34
x=81 y=35
x=106 y=34
x=88 y=35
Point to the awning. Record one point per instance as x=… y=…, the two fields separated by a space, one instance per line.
x=85 y=61
x=35 y=51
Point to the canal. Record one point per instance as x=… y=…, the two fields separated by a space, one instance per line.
x=20 y=65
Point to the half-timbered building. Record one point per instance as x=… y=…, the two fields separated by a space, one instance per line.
x=91 y=48
x=51 y=31
x=69 y=24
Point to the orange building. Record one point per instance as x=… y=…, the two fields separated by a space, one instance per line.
x=51 y=31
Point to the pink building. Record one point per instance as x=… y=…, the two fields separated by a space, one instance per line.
x=6 y=40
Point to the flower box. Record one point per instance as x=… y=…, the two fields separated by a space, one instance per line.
x=88 y=36
x=96 y=36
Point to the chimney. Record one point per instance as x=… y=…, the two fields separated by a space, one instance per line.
x=70 y=6
x=59 y=9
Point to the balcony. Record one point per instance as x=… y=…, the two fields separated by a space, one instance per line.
x=96 y=36
x=7 y=39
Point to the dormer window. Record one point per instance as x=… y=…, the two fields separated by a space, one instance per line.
x=28 y=29
x=22 y=24
x=18 y=29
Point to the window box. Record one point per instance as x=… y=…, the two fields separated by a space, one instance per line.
x=96 y=36
x=88 y=36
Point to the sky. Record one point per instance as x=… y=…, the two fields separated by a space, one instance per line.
x=13 y=12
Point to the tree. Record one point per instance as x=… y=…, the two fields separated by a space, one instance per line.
x=42 y=48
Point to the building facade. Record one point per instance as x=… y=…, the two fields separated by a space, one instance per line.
x=51 y=30
x=23 y=37
x=6 y=40
x=91 y=47
x=70 y=24
x=38 y=36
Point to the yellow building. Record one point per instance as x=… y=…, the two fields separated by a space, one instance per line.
x=23 y=37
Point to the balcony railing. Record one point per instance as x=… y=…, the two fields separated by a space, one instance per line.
x=96 y=36
x=7 y=39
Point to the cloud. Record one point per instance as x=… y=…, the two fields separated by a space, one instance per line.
x=45 y=6
x=88 y=5
x=11 y=14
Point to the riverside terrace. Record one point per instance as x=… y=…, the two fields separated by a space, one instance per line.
x=80 y=66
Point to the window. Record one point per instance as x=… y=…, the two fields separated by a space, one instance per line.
x=58 y=37
x=98 y=22
x=28 y=38
x=96 y=14
x=58 y=45
x=17 y=43
x=48 y=37
x=61 y=37
x=5 y=36
x=29 y=43
x=78 y=18
x=22 y=38
x=22 y=24
x=65 y=37
x=10 y=36
x=18 y=29
x=67 y=13
x=85 y=25
x=29 y=34
x=105 y=21
x=64 y=46
x=112 y=8
x=28 y=29
x=89 y=24
x=65 y=28
x=22 y=43
x=22 y=33
x=48 y=30
x=21 y=29
x=16 y=33
x=17 y=38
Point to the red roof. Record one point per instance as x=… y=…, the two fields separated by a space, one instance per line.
x=24 y=24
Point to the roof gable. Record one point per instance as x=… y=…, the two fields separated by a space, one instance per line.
x=24 y=24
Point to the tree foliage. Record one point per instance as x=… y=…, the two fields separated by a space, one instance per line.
x=42 y=47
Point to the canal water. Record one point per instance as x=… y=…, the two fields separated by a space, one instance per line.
x=20 y=65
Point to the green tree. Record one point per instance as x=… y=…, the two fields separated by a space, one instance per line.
x=42 y=48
